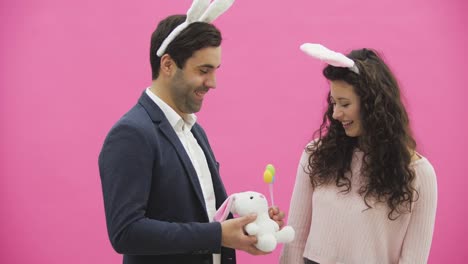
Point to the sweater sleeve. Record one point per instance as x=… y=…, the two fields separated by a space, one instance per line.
x=418 y=238
x=300 y=214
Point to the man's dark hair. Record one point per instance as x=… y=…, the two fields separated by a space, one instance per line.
x=196 y=36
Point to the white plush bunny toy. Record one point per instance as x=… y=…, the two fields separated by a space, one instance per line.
x=266 y=230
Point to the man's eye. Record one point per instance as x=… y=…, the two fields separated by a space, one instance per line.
x=203 y=71
x=345 y=105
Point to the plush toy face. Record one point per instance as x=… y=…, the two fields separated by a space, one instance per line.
x=249 y=202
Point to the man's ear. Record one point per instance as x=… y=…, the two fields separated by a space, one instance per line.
x=167 y=66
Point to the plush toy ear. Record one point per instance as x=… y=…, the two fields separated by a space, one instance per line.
x=224 y=210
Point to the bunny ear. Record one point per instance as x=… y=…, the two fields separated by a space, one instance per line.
x=196 y=10
x=200 y=10
x=329 y=56
x=224 y=210
x=216 y=8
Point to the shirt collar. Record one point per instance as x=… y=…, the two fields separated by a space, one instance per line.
x=176 y=121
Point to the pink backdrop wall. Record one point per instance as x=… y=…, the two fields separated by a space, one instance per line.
x=70 y=69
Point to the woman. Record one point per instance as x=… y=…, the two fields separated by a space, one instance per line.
x=362 y=192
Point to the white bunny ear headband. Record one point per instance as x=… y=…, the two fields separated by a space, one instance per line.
x=329 y=56
x=200 y=11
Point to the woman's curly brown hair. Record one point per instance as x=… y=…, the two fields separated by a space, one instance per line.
x=386 y=141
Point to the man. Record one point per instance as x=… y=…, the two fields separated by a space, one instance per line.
x=159 y=176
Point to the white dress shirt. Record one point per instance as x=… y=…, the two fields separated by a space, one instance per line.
x=183 y=127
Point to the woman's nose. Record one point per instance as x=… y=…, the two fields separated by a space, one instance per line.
x=337 y=114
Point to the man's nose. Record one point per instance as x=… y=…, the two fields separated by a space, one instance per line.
x=211 y=82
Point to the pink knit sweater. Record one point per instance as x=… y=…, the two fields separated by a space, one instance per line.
x=333 y=227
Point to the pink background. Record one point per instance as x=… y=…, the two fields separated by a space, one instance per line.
x=70 y=69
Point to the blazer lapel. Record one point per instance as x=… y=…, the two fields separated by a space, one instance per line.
x=160 y=120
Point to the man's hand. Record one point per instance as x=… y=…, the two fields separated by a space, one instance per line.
x=276 y=215
x=234 y=236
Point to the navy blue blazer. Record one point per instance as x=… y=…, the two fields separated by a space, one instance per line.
x=155 y=211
